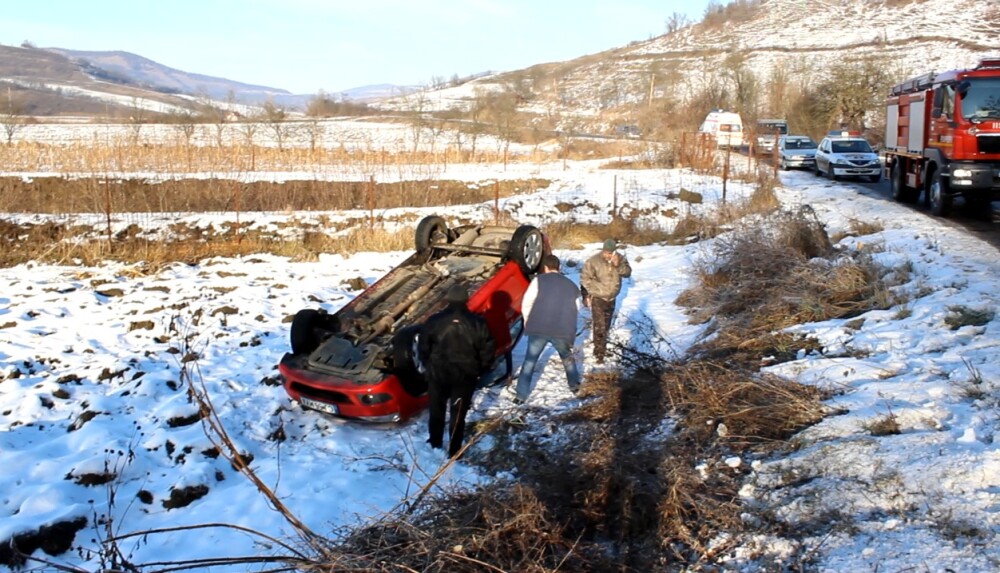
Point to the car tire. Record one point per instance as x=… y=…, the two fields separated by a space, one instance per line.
x=305 y=336
x=816 y=170
x=404 y=362
x=938 y=196
x=875 y=178
x=782 y=165
x=526 y=248
x=430 y=230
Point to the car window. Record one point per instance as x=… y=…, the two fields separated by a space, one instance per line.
x=800 y=144
x=852 y=146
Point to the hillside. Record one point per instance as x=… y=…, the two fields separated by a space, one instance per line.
x=44 y=83
x=763 y=41
x=164 y=78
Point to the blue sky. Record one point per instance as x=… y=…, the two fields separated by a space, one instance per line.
x=307 y=45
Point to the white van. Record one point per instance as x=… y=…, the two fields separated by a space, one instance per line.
x=725 y=126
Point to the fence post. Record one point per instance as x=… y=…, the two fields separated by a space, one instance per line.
x=614 y=204
x=774 y=152
x=496 y=202
x=371 y=202
x=725 y=172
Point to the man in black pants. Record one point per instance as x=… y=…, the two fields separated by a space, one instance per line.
x=455 y=347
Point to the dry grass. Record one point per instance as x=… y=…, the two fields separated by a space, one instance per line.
x=739 y=407
x=56 y=243
x=571 y=234
x=780 y=272
x=59 y=195
x=611 y=490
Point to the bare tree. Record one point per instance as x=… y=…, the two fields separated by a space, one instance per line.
x=746 y=87
x=185 y=123
x=677 y=21
x=12 y=117
x=314 y=131
x=417 y=105
x=215 y=114
x=276 y=119
x=137 y=117
x=477 y=111
x=248 y=129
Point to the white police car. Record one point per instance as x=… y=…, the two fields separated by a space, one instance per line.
x=847 y=154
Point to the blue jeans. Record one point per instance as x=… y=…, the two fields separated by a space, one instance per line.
x=536 y=344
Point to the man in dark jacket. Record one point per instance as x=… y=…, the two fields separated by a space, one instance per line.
x=550 y=310
x=455 y=348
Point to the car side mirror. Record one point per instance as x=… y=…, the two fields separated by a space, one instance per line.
x=963 y=87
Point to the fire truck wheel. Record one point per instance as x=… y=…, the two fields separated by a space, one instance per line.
x=900 y=192
x=939 y=197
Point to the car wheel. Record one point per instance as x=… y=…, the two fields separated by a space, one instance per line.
x=526 y=248
x=430 y=230
x=875 y=178
x=305 y=336
x=938 y=195
x=404 y=360
x=782 y=165
x=816 y=170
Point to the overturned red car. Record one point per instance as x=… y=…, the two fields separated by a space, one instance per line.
x=358 y=362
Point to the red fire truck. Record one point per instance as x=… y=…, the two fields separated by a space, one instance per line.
x=943 y=137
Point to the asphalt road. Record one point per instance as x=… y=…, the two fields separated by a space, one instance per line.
x=983 y=226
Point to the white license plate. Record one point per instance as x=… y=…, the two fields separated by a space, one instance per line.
x=317 y=405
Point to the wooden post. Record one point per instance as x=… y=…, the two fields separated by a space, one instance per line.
x=774 y=153
x=614 y=204
x=107 y=209
x=239 y=193
x=684 y=149
x=371 y=202
x=496 y=202
x=725 y=173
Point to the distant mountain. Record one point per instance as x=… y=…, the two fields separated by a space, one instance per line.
x=44 y=83
x=159 y=77
x=78 y=77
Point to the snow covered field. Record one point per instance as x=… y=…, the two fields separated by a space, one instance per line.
x=90 y=362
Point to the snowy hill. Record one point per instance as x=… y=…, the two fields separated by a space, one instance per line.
x=802 y=39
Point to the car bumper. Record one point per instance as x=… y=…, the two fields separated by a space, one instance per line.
x=853 y=171
x=385 y=401
x=975 y=177
x=799 y=161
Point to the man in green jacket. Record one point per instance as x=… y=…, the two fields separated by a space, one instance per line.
x=601 y=281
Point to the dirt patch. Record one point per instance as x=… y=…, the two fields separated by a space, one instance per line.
x=54 y=539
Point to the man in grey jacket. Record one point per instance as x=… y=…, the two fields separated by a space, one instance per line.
x=550 y=310
x=601 y=281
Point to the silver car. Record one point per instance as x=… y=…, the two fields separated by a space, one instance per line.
x=847 y=154
x=796 y=152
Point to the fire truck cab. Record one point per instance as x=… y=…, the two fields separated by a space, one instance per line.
x=943 y=137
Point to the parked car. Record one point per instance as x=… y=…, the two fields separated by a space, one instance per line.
x=796 y=151
x=358 y=362
x=629 y=131
x=768 y=133
x=847 y=154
